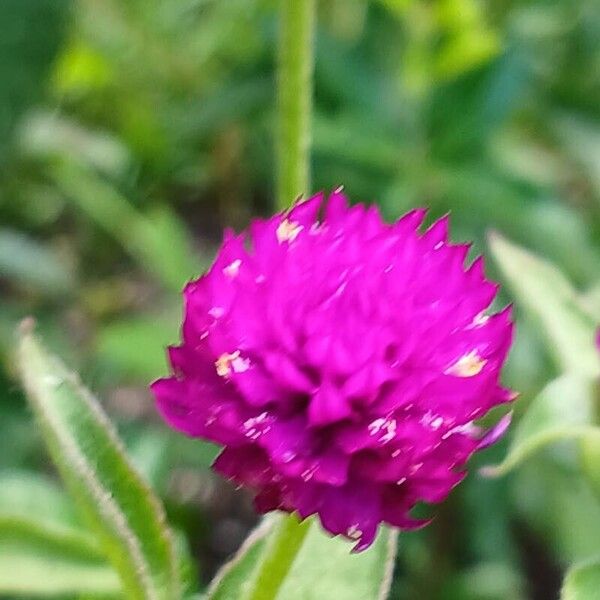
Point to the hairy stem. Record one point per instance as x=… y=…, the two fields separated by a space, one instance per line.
x=284 y=545
x=294 y=97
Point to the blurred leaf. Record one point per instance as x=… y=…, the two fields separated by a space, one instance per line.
x=31 y=495
x=30 y=35
x=170 y=247
x=582 y=582
x=119 y=343
x=45 y=135
x=547 y=295
x=467 y=51
x=396 y=6
x=589 y=457
x=43 y=549
x=36 y=567
x=556 y=502
x=158 y=241
x=465 y=112
x=581 y=139
x=124 y=513
x=486 y=581
x=149 y=450
x=324 y=568
x=228 y=584
x=81 y=69
x=471 y=42
x=30 y=263
x=563 y=410
x=590 y=302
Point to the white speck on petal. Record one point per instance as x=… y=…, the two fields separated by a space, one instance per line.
x=468 y=365
x=240 y=365
x=387 y=426
x=217 y=312
x=225 y=363
x=307 y=474
x=437 y=422
x=354 y=533
x=288 y=231
x=478 y=321
x=233 y=269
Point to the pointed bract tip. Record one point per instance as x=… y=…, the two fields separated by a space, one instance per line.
x=27 y=326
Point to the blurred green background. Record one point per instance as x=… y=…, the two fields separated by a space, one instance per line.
x=133 y=131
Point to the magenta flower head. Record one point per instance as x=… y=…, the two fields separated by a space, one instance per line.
x=341 y=362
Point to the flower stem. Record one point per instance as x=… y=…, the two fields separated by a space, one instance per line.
x=294 y=97
x=284 y=544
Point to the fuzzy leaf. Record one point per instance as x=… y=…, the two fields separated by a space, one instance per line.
x=127 y=518
x=548 y=296
x=30 y=263
x=158 y=240
x=582 y=582
x=44 y=550
x=37 y=567
x=324 y=568
x=563 y=410
x=229 y=582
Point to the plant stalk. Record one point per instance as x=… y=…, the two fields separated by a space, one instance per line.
x=294 y=99
x=284 y=545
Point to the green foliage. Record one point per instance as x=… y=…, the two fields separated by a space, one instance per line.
x=132 y=132
x=29 y=263
x=545 y=292
x=582 y=582
x=323 y=568
x=122 y=510
x=30 y=39
x=158 y=240
x=567 y=408
x=43 y=548
x=564 y=410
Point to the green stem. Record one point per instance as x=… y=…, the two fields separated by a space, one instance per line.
x=294 y=96
x=284 y=544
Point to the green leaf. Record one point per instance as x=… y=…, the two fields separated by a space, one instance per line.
x=589 y=457
x=563 y=410
x=30 y=263
x=37 y=567
x=120 y=507
x=324 y=568
x=229 y=582
x=158 y=241
x=119 y=344
x=550 y=495
x=31 y=32
x=549 y=297
x=33 y=506
x=582 y=582
x=43 y=548
x=45 y=135
x=26 y=494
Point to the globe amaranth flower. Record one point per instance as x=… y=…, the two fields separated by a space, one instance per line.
x=341 y=362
